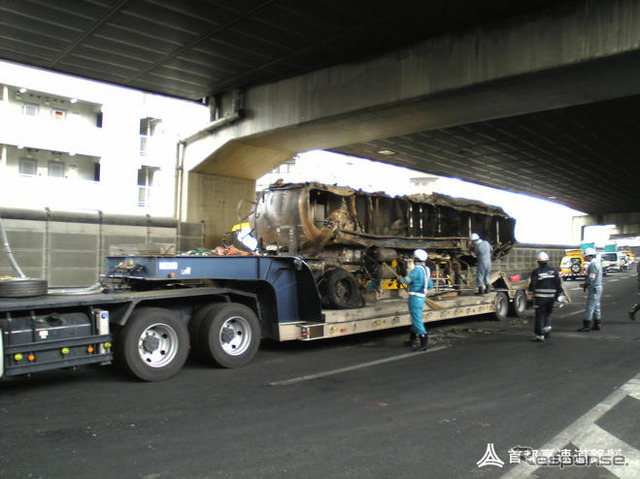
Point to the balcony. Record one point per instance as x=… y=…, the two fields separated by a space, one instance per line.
x=51 y=134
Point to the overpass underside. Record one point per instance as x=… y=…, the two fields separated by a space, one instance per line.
x=543 y=105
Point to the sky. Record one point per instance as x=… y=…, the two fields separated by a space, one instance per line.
x=537 y=221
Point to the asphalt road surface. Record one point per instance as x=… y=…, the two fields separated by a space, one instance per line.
x=485 y=401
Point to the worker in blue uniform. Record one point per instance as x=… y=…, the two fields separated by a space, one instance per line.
x=418 y=282
x=593 y=286
x=483 y=250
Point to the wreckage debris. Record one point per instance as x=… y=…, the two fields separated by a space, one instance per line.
x=358 y=242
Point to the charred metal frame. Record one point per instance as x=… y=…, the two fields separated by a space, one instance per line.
x=372 y=235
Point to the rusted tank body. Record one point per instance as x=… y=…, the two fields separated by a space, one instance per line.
x=356 y=239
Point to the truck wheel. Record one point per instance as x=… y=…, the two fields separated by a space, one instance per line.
x=195 y=326
x=23 y=287
x=518 y=304
x=339 y=289
x=502 y=306
x=229 y=335
x=153 y=345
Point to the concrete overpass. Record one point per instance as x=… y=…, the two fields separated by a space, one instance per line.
x=538 y=98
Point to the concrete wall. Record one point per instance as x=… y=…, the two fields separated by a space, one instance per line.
x=214 y=200
x=522 y=259
x=71 y=252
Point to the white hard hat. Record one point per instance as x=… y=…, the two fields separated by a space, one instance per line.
x=420 y=254
x=543 y=257
x=589 y=252
x=474 y=237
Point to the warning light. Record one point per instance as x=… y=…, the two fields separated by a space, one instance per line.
x=90 y=349
x=31 y=357
x=18 y=357
x=107 y=345
x=64 y=351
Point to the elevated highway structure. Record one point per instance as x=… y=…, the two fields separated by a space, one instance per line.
x=538 y=98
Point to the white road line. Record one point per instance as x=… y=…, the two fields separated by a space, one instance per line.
x=594 y=437
x=576 y=433
x=311 y=377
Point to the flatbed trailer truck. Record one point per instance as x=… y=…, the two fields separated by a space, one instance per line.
x=151 y=311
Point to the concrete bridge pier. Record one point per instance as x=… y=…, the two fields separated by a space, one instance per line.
x=626 y=225
x=219 y=190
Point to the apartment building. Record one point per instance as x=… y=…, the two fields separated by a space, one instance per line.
x=71 y=144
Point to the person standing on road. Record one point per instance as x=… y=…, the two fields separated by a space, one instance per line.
x=593 y=285
x=482 y=250
x=546 y=287
x=418 y=281
x=636 y=307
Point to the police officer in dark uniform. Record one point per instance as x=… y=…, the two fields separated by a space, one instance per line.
x=545 y=286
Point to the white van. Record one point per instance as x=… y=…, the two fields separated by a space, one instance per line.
x=613 y=261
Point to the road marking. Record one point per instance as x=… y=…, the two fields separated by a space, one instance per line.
x=585 y=434
x=311 y=377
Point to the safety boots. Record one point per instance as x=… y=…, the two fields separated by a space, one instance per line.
x=413 y=339
x=424 y=339
x=586 y=327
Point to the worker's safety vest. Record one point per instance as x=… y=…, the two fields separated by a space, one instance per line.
x=427 y=275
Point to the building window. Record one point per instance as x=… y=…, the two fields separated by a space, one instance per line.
x=56 y=169
x=145 y=184
x=28 y=166
x=30 y=109
x=148 y=127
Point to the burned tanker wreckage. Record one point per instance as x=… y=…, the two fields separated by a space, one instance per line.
x=357 y=243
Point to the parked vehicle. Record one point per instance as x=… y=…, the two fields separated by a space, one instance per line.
x=630 y=256
x=572 y=265
x=613 y=261
x=150 y=311
x=326 y=265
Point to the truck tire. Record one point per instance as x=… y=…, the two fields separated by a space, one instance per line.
x=23 y=287
x=229 y=335
x=518 y=304
x=339 y=290
x=575 y=268
x=153 y=345
x=502 y=306
x=195 y=325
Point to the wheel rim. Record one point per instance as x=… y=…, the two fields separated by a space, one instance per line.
x=343 y=290
x=235 y=336
x=158 y=345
